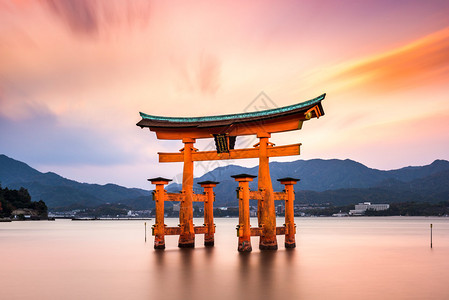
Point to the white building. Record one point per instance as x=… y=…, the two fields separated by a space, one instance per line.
x=360 y=208
x=340 y=214
x=252 y=211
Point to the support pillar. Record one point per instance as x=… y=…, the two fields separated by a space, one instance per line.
x=244 y=227
x=266 y=208
x=290 y=227
x=159 y=198
x=187 y=236
x=209 y=211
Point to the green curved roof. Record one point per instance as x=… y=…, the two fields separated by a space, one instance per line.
x=262 y=113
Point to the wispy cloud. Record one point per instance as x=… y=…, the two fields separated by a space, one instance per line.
x=80 y=15
x=419 y=62
x=197 y=73
x=90 y=17
x=209 y=74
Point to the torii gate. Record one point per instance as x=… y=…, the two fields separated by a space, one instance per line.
x=225 y=129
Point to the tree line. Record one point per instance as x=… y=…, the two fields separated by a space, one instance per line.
x=11 y=200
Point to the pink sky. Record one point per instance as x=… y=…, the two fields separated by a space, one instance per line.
x=75 y=74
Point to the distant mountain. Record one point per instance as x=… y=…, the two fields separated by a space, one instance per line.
x=322 y=181
x=433 y=188
x=326 y=180
x=59 y=192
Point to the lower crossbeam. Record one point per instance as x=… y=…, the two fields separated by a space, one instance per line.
x=258 y=231
x=177 y=230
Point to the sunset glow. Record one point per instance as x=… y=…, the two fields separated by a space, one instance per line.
x=74 y=76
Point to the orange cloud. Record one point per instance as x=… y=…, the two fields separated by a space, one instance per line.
x=421 y=62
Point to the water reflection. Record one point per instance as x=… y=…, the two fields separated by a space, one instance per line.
x=333 y=259
x=187 y=280
x=267 y=274
x=185 y=273
x=200 y=274
x=244 y=283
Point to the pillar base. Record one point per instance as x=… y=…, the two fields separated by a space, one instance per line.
x=159 y=246
x=290 y=245
x=245 y=247
x=186 y=245
x=266 y=246
x=209 y=243
x=186 y=240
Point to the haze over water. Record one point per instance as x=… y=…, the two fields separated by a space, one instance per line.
x=335 y=258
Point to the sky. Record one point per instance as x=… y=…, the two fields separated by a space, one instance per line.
x=74 y=75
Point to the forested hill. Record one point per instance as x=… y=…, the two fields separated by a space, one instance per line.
x=13 y=200
x=342 y=182
x=60 y=192
x=335 y=181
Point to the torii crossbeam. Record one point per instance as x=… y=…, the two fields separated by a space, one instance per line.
x=225 y=129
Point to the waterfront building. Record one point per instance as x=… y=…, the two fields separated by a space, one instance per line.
x=361 y=208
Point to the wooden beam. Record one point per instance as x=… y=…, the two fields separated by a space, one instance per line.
x=172 y=230
x=199 y=198
x=200 y=229
x=280 y=196
x=170 y=157
x=177 y=230
x=286 y=150
x=258 y=231
x=174 y=197
x=286 y=123
x=280 y=230
x=255 y=195
x=180 y=197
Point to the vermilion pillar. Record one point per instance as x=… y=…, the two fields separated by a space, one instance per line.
x=159 y=198
x=244 y=227
x=209 y=211
x=187 y=236
x=266 y=207
x=290 y=227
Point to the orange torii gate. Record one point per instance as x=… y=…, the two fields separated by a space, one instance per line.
x=225 y=129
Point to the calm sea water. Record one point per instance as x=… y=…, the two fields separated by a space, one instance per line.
x=335 y=258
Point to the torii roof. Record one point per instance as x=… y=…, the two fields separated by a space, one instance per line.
x=226 y=120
